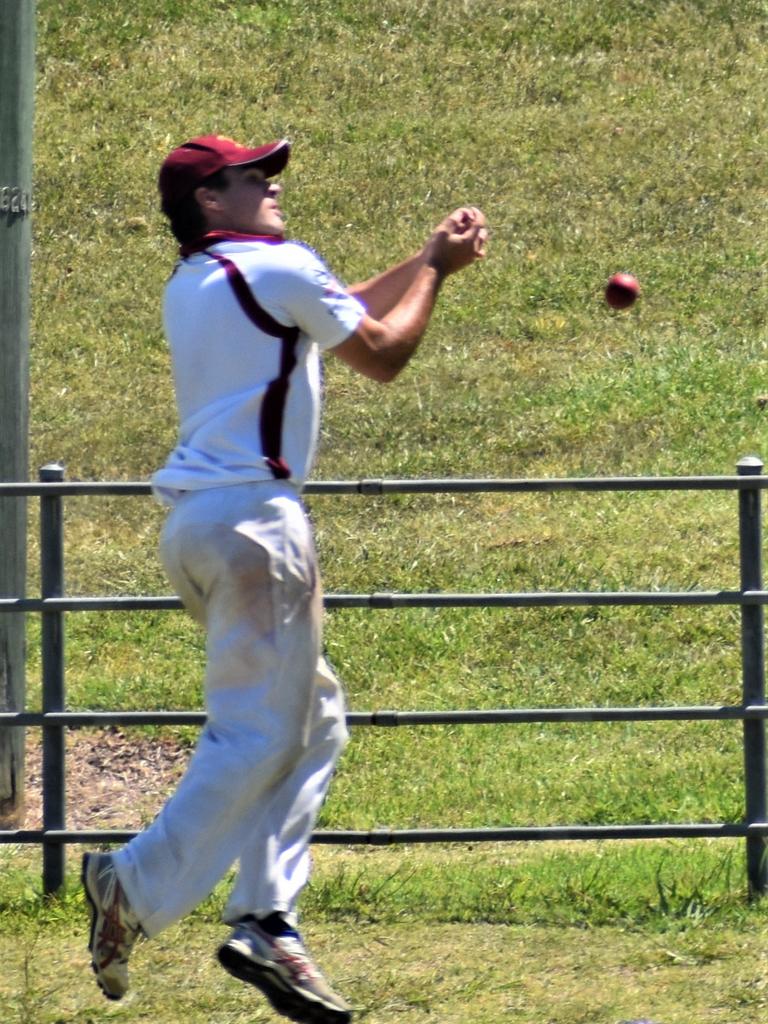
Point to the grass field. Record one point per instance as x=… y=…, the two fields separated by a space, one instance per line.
x=597 y=137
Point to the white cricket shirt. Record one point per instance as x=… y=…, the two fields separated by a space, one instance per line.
x=249 y=399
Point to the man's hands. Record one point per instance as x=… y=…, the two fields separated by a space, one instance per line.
x=457 y=241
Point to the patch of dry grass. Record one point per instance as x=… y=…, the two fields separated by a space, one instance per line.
x=411 y=972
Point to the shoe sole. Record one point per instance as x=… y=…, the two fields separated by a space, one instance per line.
x=94 y=913
x=286 y=1001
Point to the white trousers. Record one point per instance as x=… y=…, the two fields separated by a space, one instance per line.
x=242 y=559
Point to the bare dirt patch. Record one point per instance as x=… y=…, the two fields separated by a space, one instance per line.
x=113 y=779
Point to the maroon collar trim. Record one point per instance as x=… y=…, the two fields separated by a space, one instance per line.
x=201 y=244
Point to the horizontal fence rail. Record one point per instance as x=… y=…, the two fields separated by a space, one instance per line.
x=395 y=719
x=560 y=599
x=390 y=837
x=54 y=719
x=374 y=487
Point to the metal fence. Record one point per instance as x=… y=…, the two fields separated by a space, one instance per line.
x=52 y=604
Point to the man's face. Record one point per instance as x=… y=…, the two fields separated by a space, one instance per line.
x=248 y=205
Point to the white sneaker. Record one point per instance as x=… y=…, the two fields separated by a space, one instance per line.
x=281 y=968
x=114 y=926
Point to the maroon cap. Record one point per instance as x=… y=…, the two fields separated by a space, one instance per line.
x=188 y=165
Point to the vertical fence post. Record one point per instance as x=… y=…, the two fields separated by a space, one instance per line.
x=52 y=585
x=753 y=673
x=17 y=91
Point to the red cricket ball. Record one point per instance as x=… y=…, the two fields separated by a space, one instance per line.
x=621 y=290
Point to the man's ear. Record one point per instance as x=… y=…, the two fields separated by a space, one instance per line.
x=207 y=198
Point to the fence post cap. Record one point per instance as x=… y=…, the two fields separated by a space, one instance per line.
x=750 y=465
x=52 y=471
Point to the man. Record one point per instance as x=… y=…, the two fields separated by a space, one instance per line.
x=247 y=315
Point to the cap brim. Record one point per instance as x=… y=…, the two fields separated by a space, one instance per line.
x=271 y=159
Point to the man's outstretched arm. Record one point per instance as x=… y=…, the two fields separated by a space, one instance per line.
x=382 y=293
x=400 y=301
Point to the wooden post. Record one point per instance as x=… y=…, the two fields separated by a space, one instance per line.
x=17 y=79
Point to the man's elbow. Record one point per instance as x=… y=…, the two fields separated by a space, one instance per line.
x=391 y=354
x=375 y=352
x=385 y=373
x=389 y=362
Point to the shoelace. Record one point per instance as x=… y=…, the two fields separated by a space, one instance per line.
x=112 y=934
x=295 y=959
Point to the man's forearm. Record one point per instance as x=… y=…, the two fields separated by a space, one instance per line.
x=381 y=293
x=400 y=301
x=408 y=319
x=381 y=348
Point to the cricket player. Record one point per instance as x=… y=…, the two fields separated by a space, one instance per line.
x=248 y=316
